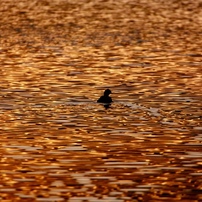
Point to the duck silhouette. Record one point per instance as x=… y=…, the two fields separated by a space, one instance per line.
x=106 y=99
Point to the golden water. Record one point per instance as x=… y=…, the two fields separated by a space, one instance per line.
x=56 y=59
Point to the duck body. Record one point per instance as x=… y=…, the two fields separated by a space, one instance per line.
x=105 y=98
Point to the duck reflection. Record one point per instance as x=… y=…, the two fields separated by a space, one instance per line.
x=105 y=99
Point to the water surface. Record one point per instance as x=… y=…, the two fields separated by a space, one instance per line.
x=58 y=144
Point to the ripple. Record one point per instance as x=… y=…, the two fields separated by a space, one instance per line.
x=57 y=143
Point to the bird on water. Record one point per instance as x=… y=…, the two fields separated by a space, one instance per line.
x=105 y=98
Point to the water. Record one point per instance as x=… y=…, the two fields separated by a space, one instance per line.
x=58 y=144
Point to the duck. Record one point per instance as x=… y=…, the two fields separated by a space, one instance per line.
x=105 y=98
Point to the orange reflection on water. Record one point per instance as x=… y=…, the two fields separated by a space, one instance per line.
x=57 y=143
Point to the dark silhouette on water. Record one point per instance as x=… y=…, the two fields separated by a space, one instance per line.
x=106 y=99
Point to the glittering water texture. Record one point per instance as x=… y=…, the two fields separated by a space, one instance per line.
x=56 y=59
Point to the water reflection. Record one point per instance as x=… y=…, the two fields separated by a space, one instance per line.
x=57 y=143
x=107 y=106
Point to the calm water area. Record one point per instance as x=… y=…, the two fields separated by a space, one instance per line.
x=58 y=144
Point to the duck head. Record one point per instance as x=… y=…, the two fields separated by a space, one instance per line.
x=107 y=92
